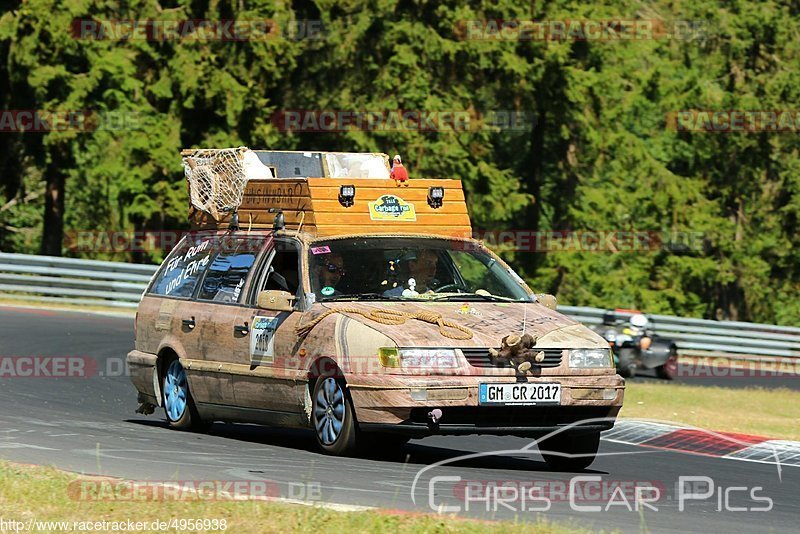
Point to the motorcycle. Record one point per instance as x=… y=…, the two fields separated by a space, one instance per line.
x=636 y=346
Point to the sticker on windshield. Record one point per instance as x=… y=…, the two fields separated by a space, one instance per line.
x=391 y=208
x=321 y=250
x=327 y=291
x=262 y=340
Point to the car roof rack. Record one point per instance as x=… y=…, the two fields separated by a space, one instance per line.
x=320 y=193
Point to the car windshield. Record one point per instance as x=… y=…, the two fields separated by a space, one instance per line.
x=410 y=269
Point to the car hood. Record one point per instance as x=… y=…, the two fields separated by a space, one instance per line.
x=489 y=323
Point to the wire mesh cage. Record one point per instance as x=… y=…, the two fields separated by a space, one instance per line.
x=216 y=179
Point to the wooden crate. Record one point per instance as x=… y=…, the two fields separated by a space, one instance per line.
x=380 y=207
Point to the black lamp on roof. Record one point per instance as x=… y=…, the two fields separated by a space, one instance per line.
x=347 y=194
x=435 y=197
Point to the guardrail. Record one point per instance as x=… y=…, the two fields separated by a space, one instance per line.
x=703 y=337
x=106 y=283
x=87 y=282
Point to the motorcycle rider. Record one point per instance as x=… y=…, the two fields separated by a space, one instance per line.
x=636 y=332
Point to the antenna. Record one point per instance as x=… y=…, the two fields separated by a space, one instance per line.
x=524 y=318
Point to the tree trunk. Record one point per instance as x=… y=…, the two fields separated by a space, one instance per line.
x=53 y=232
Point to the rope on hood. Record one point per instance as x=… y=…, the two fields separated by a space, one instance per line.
x=393 y=317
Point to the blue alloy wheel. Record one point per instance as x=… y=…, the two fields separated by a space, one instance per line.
x=176 y=391
x=329 y=411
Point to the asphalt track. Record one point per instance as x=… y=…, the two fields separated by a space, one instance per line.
x=88 y=425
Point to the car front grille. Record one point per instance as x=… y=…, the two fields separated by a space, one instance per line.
x=479 y=357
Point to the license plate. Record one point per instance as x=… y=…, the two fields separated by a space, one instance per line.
x=520 y=394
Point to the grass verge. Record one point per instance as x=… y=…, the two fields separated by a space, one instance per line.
x=31 y=493
x=773 y=413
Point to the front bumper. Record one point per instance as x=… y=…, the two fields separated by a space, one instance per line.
x=388 y=406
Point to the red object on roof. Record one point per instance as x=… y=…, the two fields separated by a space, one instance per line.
x=399 y=172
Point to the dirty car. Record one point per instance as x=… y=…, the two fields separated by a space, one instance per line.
x=369 y=329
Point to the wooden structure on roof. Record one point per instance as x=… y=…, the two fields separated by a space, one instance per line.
x=379 y=206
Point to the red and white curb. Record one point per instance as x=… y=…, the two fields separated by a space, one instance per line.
x=706 y=442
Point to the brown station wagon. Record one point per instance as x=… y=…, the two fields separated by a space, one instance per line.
x=360 y=310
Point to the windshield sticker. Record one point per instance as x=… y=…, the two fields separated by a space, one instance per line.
x=391 y=208
x=327 y=291
x=321 y=250
x=262 y=340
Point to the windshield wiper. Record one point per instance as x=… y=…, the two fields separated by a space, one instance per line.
x=362 y=296
x=475 y=296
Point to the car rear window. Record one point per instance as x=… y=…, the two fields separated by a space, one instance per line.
x=184 y=266
x=228 y=272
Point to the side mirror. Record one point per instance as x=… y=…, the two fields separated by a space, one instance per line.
x=275 y=300
x=549 y=301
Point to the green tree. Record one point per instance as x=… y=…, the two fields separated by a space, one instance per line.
x=599 y=155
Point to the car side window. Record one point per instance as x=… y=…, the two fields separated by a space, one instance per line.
x=184 y=266
x=228 y=272
x=281 y=271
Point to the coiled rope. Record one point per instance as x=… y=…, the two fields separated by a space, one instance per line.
x=393 y=317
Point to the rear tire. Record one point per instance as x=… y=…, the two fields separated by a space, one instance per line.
x=178 y=402
x=626 y=363
x=570 y=451
x=669 y=370
x=333 y=417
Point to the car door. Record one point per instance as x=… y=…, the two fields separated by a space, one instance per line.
x=225 y=330
x=170 y=317
x=274 y=379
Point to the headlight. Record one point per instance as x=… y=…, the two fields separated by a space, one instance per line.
x=418 y=358
x=590 y=358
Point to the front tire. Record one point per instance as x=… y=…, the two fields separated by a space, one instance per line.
x=333 y=417
x=626 y=363
x=570 y=451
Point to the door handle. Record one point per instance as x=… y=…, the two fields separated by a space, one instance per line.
x=242 y=329
x=189 y=323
